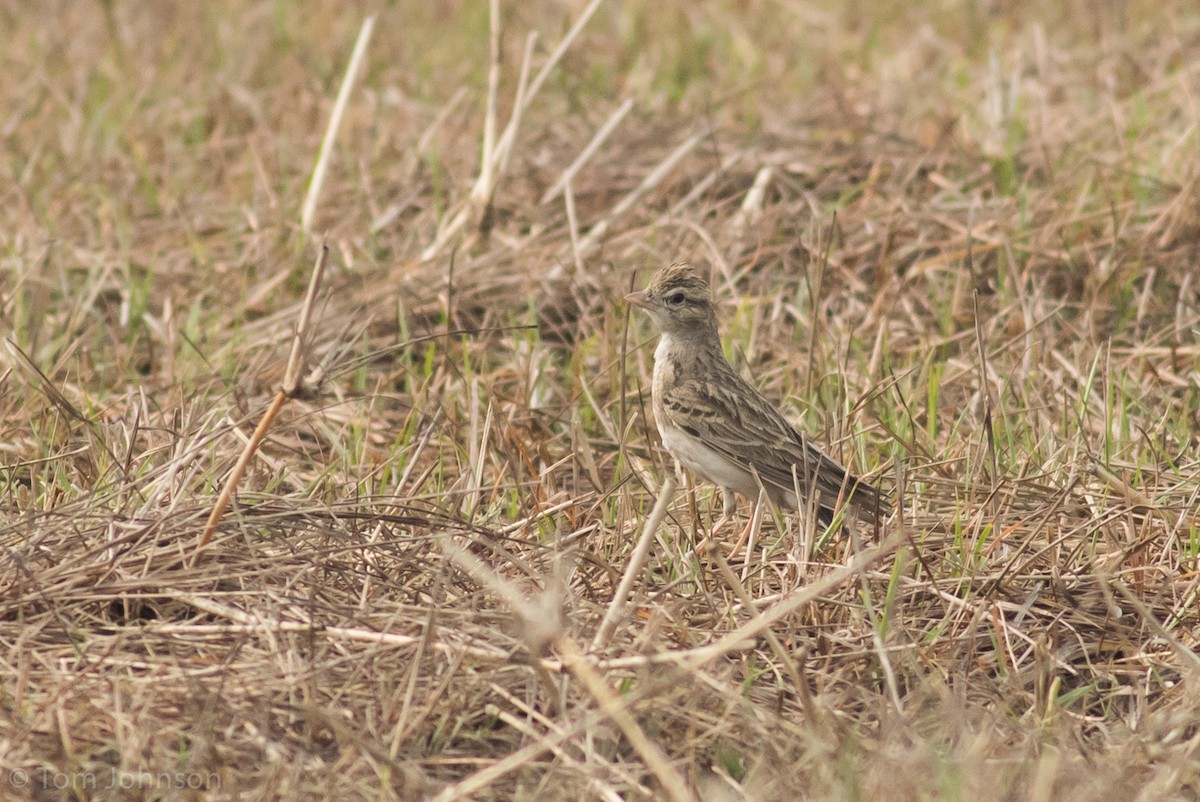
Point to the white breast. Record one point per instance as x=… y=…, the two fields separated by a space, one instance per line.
x=695 y=456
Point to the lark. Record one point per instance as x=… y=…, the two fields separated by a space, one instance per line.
x=720 y=427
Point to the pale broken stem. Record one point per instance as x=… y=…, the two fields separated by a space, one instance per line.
x=636 y=561
x=482 y=191
x=573 y=228
x=504 y=146
x=335 y=123
x=526 y=92
x=589 y=150
x=494 y=166
x=752 y=204
x=291 y=384
x=535 y=85
x=478 y=454
x=297 y=357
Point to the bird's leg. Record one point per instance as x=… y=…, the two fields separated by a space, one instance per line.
x=745 y=535
x=756 y=509
x=728 y=508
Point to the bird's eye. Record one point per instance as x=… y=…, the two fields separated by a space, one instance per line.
x=675 y=299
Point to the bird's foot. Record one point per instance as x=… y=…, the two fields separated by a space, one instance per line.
x=742 y=538
x=711 y=537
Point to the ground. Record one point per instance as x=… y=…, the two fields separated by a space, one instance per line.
x=956 y=243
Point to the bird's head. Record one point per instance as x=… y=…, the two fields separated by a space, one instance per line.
x=679 y=301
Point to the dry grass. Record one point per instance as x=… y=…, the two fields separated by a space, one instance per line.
x=960 y=245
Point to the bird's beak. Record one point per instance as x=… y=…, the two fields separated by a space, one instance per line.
x=638 y=299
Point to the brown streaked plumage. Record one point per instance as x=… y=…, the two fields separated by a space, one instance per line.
x=720 y=427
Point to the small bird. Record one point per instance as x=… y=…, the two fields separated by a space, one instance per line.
x=717 y=425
